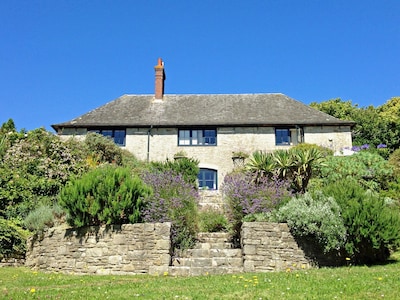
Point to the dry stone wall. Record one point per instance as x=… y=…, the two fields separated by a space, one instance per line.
x=146 y=248
x=270 y=247
x=125 y=249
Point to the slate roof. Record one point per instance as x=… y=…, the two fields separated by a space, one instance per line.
x=202 y=110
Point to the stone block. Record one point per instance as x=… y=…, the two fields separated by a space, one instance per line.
x=115 y=259
x=249 y=249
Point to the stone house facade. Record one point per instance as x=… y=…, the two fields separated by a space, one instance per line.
x=208 y=127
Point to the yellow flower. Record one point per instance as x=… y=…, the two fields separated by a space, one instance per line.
x=348 y=258
x=380 y=278
x=165 y=273
x=33 y=290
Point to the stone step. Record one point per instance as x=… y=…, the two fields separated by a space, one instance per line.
x=214 y=237
x=198 y=271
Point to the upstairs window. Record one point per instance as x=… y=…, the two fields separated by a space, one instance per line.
x=207 y=179
x=198 y=137
x=117 y=135
x=288 y=136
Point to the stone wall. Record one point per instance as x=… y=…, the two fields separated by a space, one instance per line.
x=270 y=247
x=145 y=248
x=125 y=249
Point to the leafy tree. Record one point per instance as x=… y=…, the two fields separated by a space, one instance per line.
x=391 y=110
x=34 y=169
x=337 y=108
x=373 y=126
x=102 y=149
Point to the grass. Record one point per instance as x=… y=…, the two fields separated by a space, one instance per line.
x=375 y=282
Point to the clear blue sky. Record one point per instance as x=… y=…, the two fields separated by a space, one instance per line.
x=60 y=59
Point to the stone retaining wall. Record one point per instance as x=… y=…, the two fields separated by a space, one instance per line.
x=145 y=248
x=125 y=249
x=270 y=247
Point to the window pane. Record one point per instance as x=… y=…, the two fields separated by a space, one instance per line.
x=209 y=137
x=119 y=137
x=282 y=136
x=107 y=133
x=208 y=178
x=184 y=137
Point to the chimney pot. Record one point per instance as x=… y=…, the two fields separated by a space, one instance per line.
x=159 y=79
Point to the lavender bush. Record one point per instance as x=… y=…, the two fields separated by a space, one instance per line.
x=173 y=200
x=244 y=197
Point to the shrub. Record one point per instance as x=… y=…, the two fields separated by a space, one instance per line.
x=105 y=195
x=12 y=240
x=33 y=171
x=369 y=169
x=174 y=200
x=187 y=167
x=44 y=217
x=325 y=151
x=315 y=216
x=102 y=149
x=244 y=196
x=394 y=161
x=373 y=228
x=212 y=221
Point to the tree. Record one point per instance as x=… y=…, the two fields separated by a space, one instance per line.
x=337 y=108
x=373 y=126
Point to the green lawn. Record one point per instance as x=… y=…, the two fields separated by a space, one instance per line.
x=377 y=282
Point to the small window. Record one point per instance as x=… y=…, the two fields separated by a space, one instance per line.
x=282 y=136
x=198 y=137
x=207 y=179
x=117 y=135
x=289 y=136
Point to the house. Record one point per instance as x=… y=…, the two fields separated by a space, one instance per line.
x=209 y=128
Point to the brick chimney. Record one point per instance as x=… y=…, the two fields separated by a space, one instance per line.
x=160 y=78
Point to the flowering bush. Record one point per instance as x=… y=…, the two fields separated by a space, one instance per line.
x=34 y=169
x=245 y=197
x=173 y=200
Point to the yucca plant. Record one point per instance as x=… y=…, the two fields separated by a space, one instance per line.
x=261 y=164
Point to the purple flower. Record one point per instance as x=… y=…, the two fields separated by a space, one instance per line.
x=380 y=146
x=356 y=148
x=365 y=147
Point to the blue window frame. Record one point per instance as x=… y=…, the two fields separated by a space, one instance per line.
x=197 y=137
x=282 y=136
x=117 y=135
x=289 y=136
x=207 y=179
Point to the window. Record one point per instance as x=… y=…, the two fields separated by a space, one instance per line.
x=282 y=136
x=117 y=135
x=207 y=179
x=202 y=137
x=289 y=136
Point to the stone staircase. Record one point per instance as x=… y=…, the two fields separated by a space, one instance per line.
x=213 y=254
